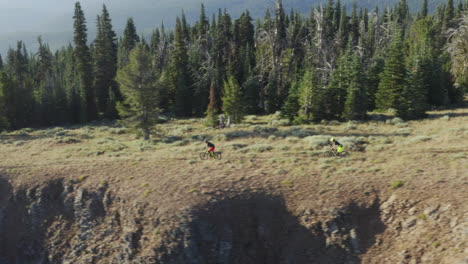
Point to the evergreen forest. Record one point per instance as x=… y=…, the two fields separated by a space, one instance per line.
x=332 y=64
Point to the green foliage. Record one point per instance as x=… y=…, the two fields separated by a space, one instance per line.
x=88 y=110
x=393 y=77
x=211 y=113
x=327 y=66
x=140 y=89
x=310 y=97
x=105 y=61
x=397 y=184
x=291 y=106
x=180 y=76
x=356 y=101
x=458 y=48
x=232 y=100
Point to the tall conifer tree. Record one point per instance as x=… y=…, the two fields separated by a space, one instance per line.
x=393 y=77
x=88 y=111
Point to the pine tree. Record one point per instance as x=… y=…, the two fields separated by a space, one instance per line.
x=402 y=12
x=83 y=66
x=457 y=48
x=1 y=62
x=141 y=92
x=342 y=35
x=45 y=97
x=232 y=100
x=355 y=107
x=459 y=10
x=413 y=98
x=310 y=98
x=19 y=92
x=449 y=15
x=291 y=107
x=212 y=111
x=354 y=25
x=180 y=74
x=155 y=41
x=392 y=79
x=5 y=85
x=203 y=24
x=424 y=9
x=130 y=36
x=105 y=59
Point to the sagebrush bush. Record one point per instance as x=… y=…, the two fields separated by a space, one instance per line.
x=397 y=184
x=352 y=142
x=281 y=122
x=236 y=134
x=314 y=142
x=418 y=139
x=171 y=139
x=293 y=139
x=67 y=140
x=261 y=129
x=299 y=132
x=235 y=145
x=182 y=130
x=257 y=148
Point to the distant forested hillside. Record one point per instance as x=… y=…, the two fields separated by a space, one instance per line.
x=327 y=64
x=54 y=24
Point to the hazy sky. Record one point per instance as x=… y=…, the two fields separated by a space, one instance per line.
x=44 y=15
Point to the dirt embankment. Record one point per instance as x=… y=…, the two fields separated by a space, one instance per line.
x=62 y=222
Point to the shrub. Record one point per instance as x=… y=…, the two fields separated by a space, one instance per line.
x=422 y=216
x=67 y=140
x=397 y=184
x=258 y=148
x=287 y=183
x=404 y=131
x=281 y=122
x=118 y=131
x=235 y=145
x=111 y=147
x=395 y=121
x=198 y=137
x=146 y=145
x=171 y=139
x=293 y=139
x=261 y=129
x=183 y=142
x=300 y=132
x=419 y=139
x=250 y=118
x=272 y=138
x=351 y=126
x=353 y=143
x=402 y=125
x=315 y=142
x=182 y=130
x=236 y=134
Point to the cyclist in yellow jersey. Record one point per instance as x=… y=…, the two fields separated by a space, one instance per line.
x=334 y=143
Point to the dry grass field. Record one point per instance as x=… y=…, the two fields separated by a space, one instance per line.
x=423 y=163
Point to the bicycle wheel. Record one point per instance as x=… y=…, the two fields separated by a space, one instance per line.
x=344 y=154
x=217 y=155
x=204 y=155
x=328 y=154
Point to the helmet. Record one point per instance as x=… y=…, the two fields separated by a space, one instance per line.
x=332 y=139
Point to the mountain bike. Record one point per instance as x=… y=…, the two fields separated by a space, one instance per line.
x=333 y=153
x=208 y=155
